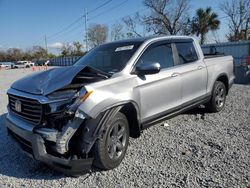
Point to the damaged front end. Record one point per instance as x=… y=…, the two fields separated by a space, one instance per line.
x=62 y=137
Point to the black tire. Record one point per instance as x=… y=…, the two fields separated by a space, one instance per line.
x=217 y=102
x=110 y=150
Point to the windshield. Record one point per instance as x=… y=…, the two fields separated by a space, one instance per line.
x=110 y=58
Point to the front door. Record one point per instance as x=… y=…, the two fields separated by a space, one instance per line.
x=159 y=92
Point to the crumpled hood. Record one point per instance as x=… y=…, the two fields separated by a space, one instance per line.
x=46 y=82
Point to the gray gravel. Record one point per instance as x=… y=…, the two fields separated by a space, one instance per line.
x=195 y=149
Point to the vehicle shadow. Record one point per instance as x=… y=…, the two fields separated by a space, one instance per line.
x=197 y=111
x=14 y=163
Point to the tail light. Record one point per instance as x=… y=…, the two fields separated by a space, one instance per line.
x=248 y=60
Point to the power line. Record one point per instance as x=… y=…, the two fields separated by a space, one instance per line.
x=65 y=28
x=138 y=11
x=102 y=5
x=78 y=20
x=112 y=8
x=67 y=32
x=46 y=46
x=77 y=35
x=40 y=40
x=86 y=29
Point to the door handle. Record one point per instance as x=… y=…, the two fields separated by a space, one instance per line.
x=200 y=67
x=175 y=74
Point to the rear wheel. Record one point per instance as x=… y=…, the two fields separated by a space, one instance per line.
x=218 y=99
x=110 y=150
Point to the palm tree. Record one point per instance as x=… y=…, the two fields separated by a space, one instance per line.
x=204 y=21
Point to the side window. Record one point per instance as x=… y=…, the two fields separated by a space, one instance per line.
x=161 y=54
x=186 y=52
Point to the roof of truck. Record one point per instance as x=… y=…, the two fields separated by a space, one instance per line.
x=143 y=39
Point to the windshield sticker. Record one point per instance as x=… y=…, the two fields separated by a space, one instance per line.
x=124 y=48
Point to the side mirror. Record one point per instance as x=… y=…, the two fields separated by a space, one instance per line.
x=148 y=68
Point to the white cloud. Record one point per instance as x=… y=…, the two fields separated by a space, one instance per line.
x=56 y=45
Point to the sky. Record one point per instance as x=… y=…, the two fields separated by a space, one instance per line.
x=24 y=23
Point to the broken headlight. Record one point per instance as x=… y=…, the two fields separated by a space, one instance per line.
x=60 y=100
x=82 y=96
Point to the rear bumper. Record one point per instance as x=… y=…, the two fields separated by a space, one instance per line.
x=34 y=146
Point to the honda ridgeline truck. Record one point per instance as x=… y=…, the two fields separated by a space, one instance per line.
x=74 y=117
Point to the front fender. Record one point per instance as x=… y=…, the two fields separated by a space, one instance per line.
x=100 y=101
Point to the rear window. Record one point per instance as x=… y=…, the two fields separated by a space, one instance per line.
x=186 y=52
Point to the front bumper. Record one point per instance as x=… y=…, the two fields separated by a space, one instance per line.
x=34 y=146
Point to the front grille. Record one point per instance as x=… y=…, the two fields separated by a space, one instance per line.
x=31 y=110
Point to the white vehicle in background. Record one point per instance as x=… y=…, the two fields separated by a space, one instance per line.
x=23 y=64
x=6 y=65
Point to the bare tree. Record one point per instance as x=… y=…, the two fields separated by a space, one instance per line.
x=39 y=52
x=167 y=16
x=77 y=49
x=132 y=23
x=238 y=13
x=3 y=56
x=14 y=54
x=117 y=32
x=215 y=37
x=33 y=53
x=97 y=34
x=67 y=50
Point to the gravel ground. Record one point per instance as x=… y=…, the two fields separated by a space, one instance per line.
x=195 y=149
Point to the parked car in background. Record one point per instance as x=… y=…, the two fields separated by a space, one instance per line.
x=41 y=62
x=74 y=117
x=245 y=61
x=7 y=65
x=23 y=64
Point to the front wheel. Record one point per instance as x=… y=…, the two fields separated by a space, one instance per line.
x=110 y=150
x=218 y=99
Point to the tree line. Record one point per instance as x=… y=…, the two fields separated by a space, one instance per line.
x=37 y=53
x=171 y=17
x=164 y=17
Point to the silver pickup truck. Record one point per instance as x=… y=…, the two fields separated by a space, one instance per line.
x=74 y=117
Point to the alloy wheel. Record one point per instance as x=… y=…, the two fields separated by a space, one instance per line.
x=116 y=141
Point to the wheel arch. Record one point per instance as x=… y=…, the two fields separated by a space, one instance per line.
x=224 y=79
x=131 y=110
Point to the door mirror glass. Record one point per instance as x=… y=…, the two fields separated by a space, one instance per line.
x=148 y=68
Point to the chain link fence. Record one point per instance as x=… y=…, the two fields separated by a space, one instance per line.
x=64 y=61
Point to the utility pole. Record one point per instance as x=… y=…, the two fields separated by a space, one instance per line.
x=86 y=29
x=46 y=46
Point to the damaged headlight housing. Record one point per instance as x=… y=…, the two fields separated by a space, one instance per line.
x=82 y=96
x=65 y=94
x=68 y=100
x=61 y=99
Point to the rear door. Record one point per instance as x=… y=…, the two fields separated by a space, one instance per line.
x=162 y=91
x=192 y=70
